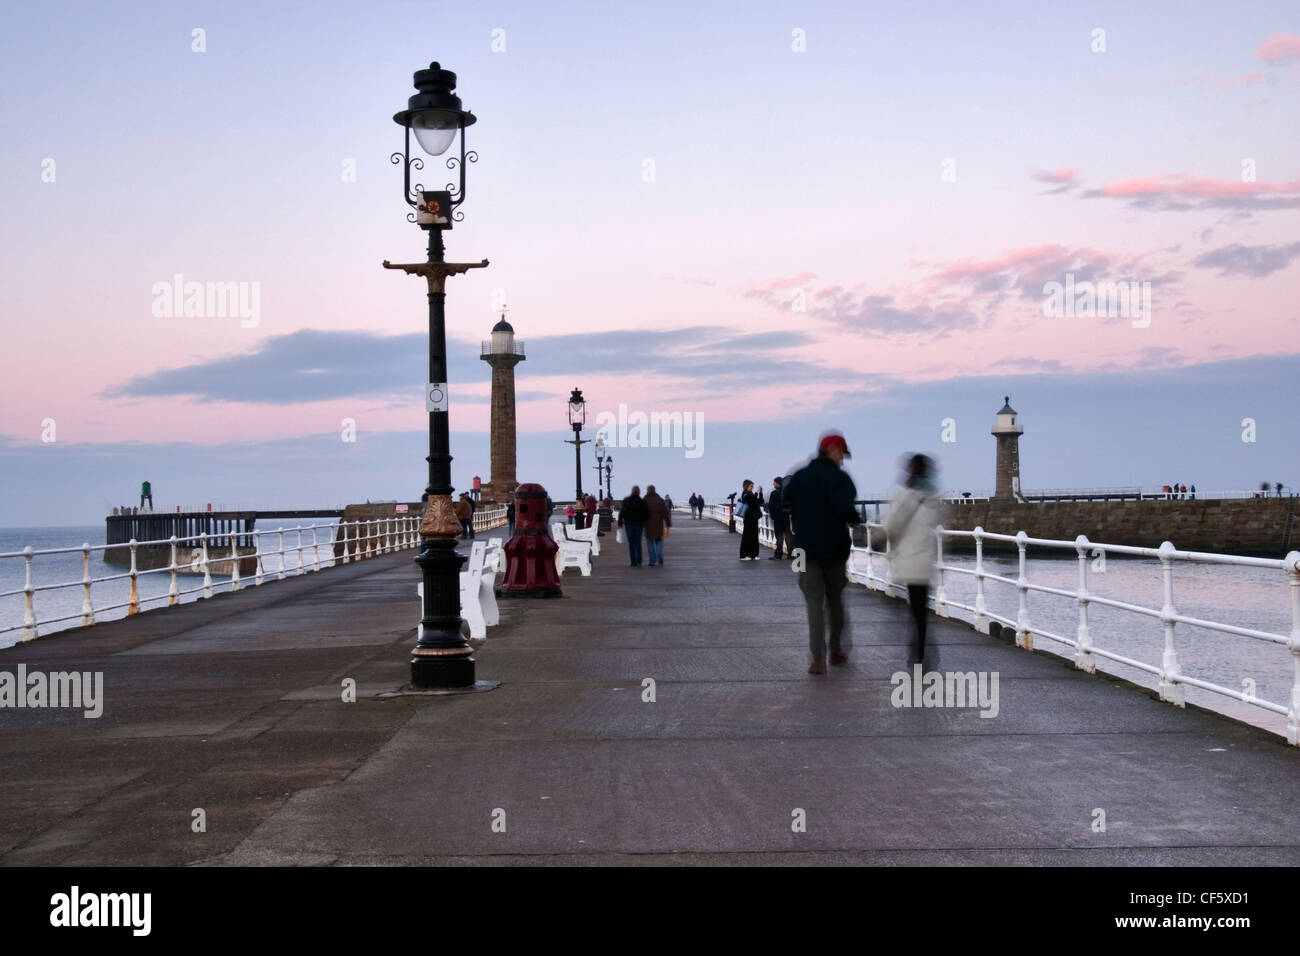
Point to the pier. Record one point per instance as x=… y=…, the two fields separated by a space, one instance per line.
x=651 y=715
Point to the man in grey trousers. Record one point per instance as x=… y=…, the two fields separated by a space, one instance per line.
x=820 y=498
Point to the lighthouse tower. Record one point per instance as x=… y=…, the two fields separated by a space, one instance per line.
x=1008 y=433
x=503 y=353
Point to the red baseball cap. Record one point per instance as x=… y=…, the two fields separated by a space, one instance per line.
x=834 y=440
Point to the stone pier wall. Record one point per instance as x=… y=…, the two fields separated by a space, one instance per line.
x=1258 y=526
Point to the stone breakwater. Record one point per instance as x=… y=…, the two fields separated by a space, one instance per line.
x=1266 y=527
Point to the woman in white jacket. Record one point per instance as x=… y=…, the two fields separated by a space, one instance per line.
x=913 y=515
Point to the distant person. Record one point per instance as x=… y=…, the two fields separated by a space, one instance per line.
x=146 y=492
x=820 y=497
x=668 y=500
x=913 y=515
x=631 y=518
x=658 y=519
x=699 y=506
x=1165 y=489
x=1182 y=491
x=1279 y=493
x=753 y=510
x=510 y=516
x=1193 y=492
x=1263 y=490
x=465 y=514
x=780 y=522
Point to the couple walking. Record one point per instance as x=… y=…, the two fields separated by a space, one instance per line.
x=820 y=499
x=649 y=516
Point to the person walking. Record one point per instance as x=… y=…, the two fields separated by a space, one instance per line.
x=510 y=516
x=776 y=509
x=820 y=500
x=464 y=514
x=1193 y=492
x=753 y=503
x=658 y=519
x=589 y=507
x=913 y=515
x=691 y=501
x=631 y=518
x=668 y=501
x=146 y=492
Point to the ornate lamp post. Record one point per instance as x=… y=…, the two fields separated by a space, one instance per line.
x=609 y=476
x=442 y=658
x=599 y=466
x=577 y=418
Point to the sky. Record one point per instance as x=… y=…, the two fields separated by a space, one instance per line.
x=772 y=218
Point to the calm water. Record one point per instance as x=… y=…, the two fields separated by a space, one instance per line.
x=152 y=586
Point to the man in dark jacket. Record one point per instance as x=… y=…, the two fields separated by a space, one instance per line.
x=658 y=519
x=631 y=518
x=777 y=510
x=820 y=499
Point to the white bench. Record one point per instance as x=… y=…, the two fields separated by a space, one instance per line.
x=571 y=554
x=588 y=535
x=478 y=597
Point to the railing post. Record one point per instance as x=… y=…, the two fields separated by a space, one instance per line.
x=940 y=598
x=388 y=536
x=981 y=608
x=1023 y=637
x=133 y=602
x=1083 y=649
x=173 y=592
x=234 y=563
x=315 y=549
x=889 y=567
x=87 y=609
x=207 y=569
x=1170 y=689
x=1293 y=714
x=279 y=541
x=29 y=611
x=298 y=532
x=870 y=566
x=257 y=551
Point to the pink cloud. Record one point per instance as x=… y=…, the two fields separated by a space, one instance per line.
x=1065 y=175
x=1280 y=46
x=1180 y=191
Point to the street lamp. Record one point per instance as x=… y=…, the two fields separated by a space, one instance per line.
x=577 y=418
x=609 y=477
x=442 y=658
x=600 y=464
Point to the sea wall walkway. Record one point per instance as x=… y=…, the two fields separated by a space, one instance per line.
x=233 y=707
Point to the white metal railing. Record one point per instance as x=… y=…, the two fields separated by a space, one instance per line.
x=488 y=518
x=355 y=540
x=863 y=568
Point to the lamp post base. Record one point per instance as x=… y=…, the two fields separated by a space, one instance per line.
x=441 y=672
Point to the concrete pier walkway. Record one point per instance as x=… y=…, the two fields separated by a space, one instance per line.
x=234 y=707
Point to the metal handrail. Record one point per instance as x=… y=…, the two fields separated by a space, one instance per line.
x=358 y=539
x=1172 y=678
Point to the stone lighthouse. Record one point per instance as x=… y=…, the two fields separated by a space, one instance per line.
x=1008 y=433
x=503 y=353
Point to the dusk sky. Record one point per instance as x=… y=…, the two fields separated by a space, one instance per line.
x=782 y=217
